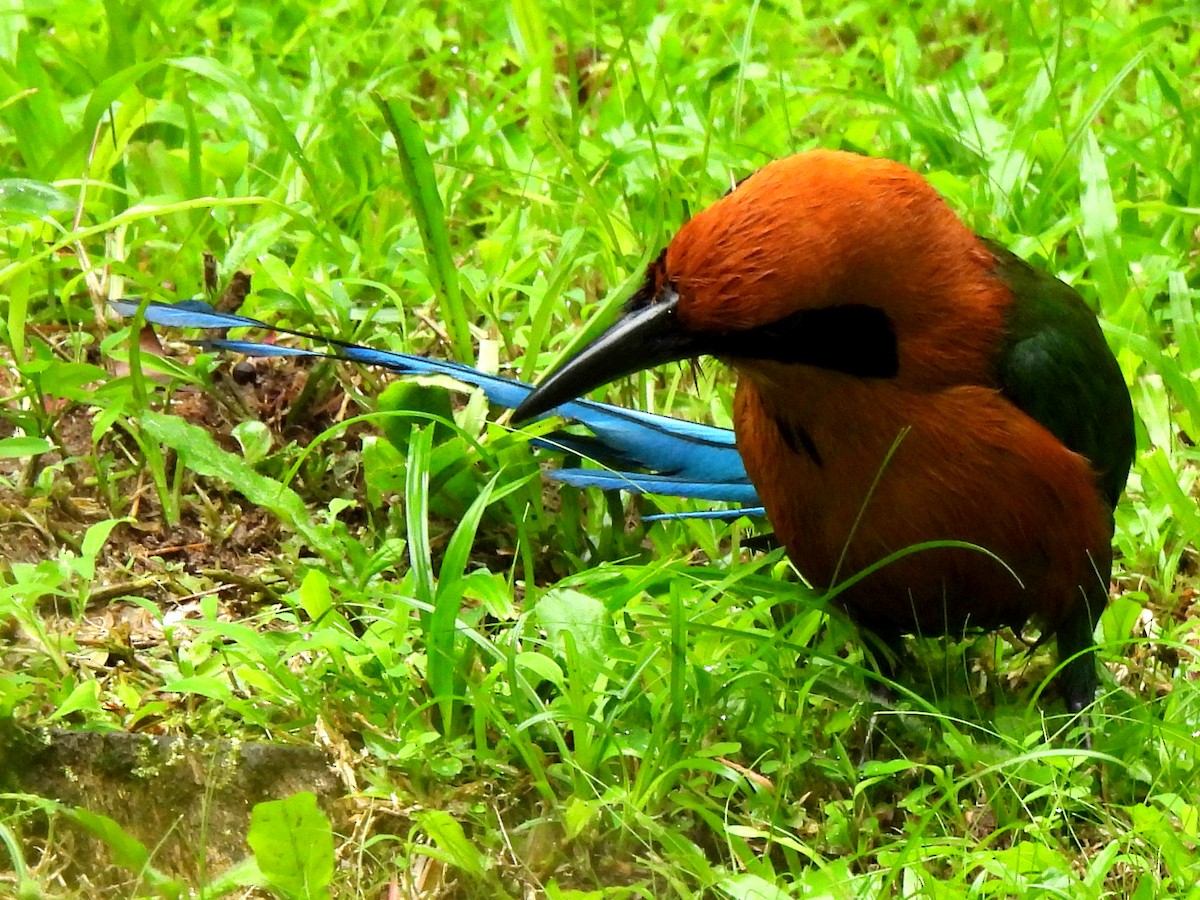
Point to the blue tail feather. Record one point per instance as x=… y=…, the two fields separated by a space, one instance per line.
x=683 y=459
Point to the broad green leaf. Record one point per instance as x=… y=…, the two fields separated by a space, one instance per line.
x=293 y=846
x=578 y=625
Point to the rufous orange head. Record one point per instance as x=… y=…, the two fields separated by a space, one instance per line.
x=823 y=258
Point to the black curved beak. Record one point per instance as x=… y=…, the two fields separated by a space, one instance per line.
x=644 y=338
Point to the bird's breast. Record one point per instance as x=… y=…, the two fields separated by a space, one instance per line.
x=854 y=470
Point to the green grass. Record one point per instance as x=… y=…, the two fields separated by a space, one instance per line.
x=541 y=693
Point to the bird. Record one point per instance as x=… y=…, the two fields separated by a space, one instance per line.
x=641 y=453
x=937 y=430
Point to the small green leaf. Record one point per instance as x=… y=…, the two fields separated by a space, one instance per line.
x=419 y=397
x=97 y=536
x=85 y=697
x=449 y=838
x=1120 y=618
x=578 y=814
x=105 y=94
x=93 y=542
x=542 y=667
x=255 y=440
x=72 y=381
x=383 y=468
x=752 y=887
x=16 y=447
x=749 y=832
x=315 y=597
x=204 y=685
x=31 y=199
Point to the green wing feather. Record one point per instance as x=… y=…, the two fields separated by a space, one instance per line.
x=1056 y=367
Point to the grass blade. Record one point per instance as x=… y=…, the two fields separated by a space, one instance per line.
x=430 y=213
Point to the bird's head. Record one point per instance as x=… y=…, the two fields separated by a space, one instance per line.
x=828 y=259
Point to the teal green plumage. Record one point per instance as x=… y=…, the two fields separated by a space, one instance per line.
x=1055 y=365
